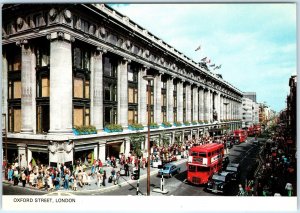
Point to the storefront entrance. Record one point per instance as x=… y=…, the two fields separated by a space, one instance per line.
x=113 y=149
x=84 y=157
x=39 y=158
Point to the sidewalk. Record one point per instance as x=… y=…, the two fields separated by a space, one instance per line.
x=123 y=180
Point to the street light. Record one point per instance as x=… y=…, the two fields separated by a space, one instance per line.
x=148 y=78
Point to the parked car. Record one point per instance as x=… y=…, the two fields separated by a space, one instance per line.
x=255 y=141
x=220 y=183
x=234 y=170
x=229 y=144
x=225 y=162
x=168 y=170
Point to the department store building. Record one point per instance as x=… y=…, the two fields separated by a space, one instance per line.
x=67 y=65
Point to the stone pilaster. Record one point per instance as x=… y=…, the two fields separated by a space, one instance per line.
x=97 y=103
x=123 y=93
x=211 y=105
x=4 y=85
x=170 y=100
x=201 y=104
x=157 y=99
x=142 y=97
x=218 y=106
x=195 y=103
x=61 y=81
x=27 y=90
x=188 y=102
x=180 y=101
x=221 y=107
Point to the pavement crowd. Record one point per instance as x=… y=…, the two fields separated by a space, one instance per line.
x=83 y=176
x=277 y=174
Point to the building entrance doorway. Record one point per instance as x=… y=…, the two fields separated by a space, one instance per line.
x=39 y=158
x=113 y=149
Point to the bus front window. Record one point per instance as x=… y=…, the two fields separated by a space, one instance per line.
x=192 y=168
x=202 y=154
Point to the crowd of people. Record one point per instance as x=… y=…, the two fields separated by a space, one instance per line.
x=278 y=170
x=63 y=176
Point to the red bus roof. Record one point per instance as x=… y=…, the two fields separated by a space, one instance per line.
x=207 y=147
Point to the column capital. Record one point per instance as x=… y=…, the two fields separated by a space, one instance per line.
x=21 y=42
x=146 y=67
x=101 y=50
x=60 y=36
x=126 y=60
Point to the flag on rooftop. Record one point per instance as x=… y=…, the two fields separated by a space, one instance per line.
x=198 y=48
x=204 y=59
x=218 y=67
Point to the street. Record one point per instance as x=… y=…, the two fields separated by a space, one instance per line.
x=245 y=153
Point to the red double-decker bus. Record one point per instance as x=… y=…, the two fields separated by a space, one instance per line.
x=257 y=129
x=203 y=162
x=241 y=135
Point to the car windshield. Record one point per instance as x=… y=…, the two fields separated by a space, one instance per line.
x=229 y=168
x=218 y=178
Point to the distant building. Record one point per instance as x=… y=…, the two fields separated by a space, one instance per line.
x=250 y=109
x=250 y=95
x=292 y=107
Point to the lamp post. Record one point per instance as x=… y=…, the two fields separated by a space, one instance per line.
x=148 y=78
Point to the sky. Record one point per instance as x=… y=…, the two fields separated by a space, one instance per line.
x=255 y=44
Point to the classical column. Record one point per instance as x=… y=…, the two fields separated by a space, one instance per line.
x=157 y=98
x=4 y=84
x=211 y=105
x=205 y=103
x=27 y=90
x=208 y=105
x=170 y=100
x=195 y=103
x=61 y=90
x=142 y=97
x=218 y=106
x=188 y=103
x=201 y=104
x=180 y=101
x=221 y=108
x=123 y=93
x=97 y=110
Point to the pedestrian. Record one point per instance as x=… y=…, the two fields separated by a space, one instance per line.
x=289 y=188
x=104 y=177
x=99 y=179
x=126 y=168
x=50 y=183
x=241 y=190
x=74 y=186
x=117 y=176
x=66 y=180
x=23 y=178
x=10 y=174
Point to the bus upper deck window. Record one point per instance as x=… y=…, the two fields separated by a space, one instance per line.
x=209 y=154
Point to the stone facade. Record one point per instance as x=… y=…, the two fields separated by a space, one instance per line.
x=75 y=71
